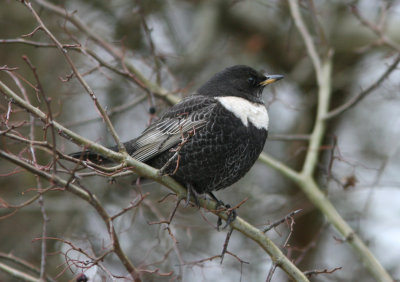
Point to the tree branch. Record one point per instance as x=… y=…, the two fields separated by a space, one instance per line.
x=308 y=41
x=25 y=265
x=78 y=23
x=91 y=199
x=148 y=172
x=79 y=77
x=357 y=98
x=279 y=166
x=18 y=274
x=305 y=179
x=377 y=29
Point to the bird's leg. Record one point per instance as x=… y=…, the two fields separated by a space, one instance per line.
x=191 y=192
x=231 y=214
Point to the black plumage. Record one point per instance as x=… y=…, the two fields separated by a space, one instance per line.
x=212 y=138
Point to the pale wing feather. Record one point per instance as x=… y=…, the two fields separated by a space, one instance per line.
x=167 y=133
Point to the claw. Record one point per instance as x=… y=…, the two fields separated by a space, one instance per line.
x=231 y=216
x=231 y=213
x=191 y=193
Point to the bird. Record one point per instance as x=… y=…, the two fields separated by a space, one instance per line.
x=210 y=139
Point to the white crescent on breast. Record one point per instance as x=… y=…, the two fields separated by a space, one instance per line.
x=246 y=111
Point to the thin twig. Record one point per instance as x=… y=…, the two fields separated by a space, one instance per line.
x=113 y=111
x=226 y=243
x=377 y=29
x=24 y=264
x=357 y=98
x=310 y=273
x=36 y=43
x=282 y=220
x=79 y=77
x=147 y=31
x=271 y=272
x=75 y=20
x=49 y=123
x=33 y=155
x=91 y=199
x=18 y=274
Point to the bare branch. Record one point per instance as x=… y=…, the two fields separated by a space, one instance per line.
x=75 y=20
x=289 y=137
x=18 y=274
x=282 y=220
x=377 y=29
x=226 y=243
x=36 y=43
x=271 y=272
x=125 y=66
x=323 y=72
x=79 y=77
x=310 y=273
x=147 y=171
x=24 y=264
x=85 y=195
x=111 y=112
x=312 y=52
x=357 y=98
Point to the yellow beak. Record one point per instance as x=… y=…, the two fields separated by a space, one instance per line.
x=271 y=78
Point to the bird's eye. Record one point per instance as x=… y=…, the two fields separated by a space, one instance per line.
x=252 y=80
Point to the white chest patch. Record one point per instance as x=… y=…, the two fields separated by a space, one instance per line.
x=246 y=111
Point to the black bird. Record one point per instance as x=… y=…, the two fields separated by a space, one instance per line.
x=210 y=139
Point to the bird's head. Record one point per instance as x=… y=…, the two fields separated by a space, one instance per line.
x=240 y=81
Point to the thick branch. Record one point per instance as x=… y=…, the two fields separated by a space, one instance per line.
x=317 y=135
x=279 y=166
x=308 y=41
x=305 y=180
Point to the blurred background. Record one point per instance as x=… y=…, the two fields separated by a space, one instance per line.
x=178 y=45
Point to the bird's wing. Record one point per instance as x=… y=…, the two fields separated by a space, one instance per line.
x=179 y=122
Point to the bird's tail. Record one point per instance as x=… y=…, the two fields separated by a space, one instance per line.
x=99 y=159
x=92 y=156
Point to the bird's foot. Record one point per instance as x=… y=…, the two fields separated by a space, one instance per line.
x=191 y=192
x=231 y=212
x=231 y=215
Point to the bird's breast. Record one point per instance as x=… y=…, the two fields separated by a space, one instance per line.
x=246 y=111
